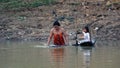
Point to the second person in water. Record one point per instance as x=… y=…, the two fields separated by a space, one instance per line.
x=85 y=36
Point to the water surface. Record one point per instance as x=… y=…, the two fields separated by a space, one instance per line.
x=27 y=55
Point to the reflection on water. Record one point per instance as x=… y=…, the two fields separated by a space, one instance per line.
x=26 y=55
x=58 y=56
x=86 y=56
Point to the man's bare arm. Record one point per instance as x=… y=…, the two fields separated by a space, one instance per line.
x=66 y=37
x=50 y=37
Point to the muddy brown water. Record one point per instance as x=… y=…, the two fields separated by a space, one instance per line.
x=29 y=55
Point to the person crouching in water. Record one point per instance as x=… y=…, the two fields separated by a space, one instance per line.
x=58 y=34
x=85 y=36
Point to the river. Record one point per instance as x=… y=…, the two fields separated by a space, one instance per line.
x=29 y=55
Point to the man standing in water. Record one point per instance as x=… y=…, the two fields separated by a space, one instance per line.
x=58 y=34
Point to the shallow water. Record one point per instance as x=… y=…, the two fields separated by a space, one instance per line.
x=35 y=55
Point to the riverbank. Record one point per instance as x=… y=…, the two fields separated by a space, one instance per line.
x=35 y=23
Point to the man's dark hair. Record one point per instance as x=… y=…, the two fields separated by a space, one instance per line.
x=56 y=23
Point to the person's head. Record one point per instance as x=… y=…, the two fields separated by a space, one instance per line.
x=86 y=29
x=56 y=24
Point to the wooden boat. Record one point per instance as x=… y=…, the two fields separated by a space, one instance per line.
x=88 y=44
x=85 y=44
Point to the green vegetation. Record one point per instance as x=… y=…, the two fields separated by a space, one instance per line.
x=22 y=4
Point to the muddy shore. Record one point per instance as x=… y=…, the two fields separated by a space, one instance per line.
x=35 y=23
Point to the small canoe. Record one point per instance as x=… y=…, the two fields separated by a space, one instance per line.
x=84 y=44
x=88 y=44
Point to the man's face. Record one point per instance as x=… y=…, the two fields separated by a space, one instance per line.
x=56 y=27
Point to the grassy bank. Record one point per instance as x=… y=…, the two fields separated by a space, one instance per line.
x=23 y=4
